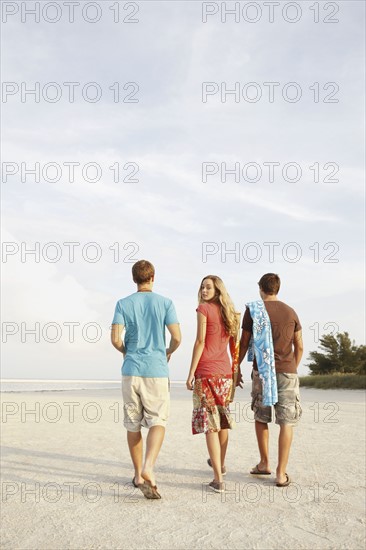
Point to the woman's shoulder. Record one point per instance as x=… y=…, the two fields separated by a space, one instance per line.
x=209 y=308
x=202 y=308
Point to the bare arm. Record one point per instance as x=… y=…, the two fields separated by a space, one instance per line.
x=175 y=339
x=116 y=338
x=244 y=344
x=197 y=348
x=298 y=347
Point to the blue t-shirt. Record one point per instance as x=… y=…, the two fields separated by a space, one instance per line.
x=145 y=316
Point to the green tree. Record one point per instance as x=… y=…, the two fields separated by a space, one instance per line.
x=361 y=360
x=338 y=354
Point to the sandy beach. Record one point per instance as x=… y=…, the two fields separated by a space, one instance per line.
x=66 y=478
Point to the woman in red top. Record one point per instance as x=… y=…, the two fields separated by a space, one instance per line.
x=211 y=371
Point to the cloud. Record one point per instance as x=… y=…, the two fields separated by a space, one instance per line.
x=169 y=213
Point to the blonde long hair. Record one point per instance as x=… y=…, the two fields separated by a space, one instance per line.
x=229 y=316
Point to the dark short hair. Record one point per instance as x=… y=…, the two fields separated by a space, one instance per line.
x=142 y=271
x=270 y=283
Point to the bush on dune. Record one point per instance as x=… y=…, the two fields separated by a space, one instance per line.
x=334 y=381
x=338 y=364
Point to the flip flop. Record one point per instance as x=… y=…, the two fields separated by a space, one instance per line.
x=134 y=482
x=257 y=471
x=149 y=490
x=285 y=483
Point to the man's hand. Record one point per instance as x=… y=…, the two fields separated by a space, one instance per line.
x=189 y=382
x=239 y=380
x=116 y=338
x=168 y=355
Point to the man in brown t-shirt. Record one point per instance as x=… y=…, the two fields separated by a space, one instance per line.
x=288 y=349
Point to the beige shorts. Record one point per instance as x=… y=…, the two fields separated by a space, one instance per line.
x=288 y=409
x=146 y=402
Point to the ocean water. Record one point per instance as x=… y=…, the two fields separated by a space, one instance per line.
x=109 y=388
x=23 y=385
x=8 y=385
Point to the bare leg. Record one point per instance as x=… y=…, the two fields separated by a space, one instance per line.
x=214 y=450
x=135 y=444
x=154 y=442
x=284 y=445
x=262 y=433
x=224 y=440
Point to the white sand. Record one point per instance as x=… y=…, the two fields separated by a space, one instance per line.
x=323 y=509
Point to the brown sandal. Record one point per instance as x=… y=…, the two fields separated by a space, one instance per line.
x=149 y=490
x=257 y=472
x=285 y=483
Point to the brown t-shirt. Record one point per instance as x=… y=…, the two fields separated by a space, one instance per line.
x=284 y=323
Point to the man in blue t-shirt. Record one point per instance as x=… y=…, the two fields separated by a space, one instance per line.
x=145 y=372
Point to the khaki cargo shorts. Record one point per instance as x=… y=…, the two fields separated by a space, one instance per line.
x=146 y=402
x=288 y=409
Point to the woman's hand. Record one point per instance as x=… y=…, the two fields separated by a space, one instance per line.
x=239 y=379
x=189 y=382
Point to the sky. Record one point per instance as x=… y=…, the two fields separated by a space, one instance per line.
x=171 y=130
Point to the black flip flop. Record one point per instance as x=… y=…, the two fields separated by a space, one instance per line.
x=257 y=472
x=285 y=483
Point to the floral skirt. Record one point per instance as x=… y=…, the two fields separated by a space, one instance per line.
x=211 y=400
